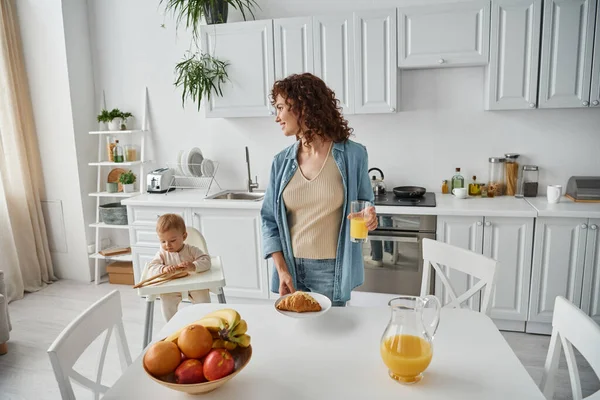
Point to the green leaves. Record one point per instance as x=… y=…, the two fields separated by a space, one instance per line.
x=127 y=178
x=107 y=116
x=200 y=75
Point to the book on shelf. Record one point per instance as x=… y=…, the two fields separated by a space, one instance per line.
x=115 y=251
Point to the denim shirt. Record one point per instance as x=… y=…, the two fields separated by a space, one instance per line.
x=352 y=161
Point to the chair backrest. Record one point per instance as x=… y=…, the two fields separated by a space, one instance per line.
x=195 y=238
x=436 y=255
x=103 y=315
x=571 y=327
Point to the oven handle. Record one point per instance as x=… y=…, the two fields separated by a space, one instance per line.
x=395 y=237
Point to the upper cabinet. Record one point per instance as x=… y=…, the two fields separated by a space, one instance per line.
x=444 y=35
x=375 y=69
x=595 y=93
x=512 y=75
x=334 y=56
x=567 y=50
x=248 y=48
x=293 y=46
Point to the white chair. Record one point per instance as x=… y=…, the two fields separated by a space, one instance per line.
x=370 y=299
x=103 y=315
x=437 y=254
x=213 y=280
x=571 y=327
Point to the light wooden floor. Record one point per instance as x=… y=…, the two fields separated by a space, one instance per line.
x=25 y=372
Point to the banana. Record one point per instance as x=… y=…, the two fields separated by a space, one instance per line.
x=240 y=329
x=242 y=341
x=230 y=316
x=223 y=344
x=215 y=325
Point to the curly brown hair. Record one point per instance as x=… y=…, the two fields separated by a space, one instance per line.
x=316 y=106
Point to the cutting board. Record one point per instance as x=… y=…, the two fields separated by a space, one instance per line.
x=568 y=196
x=113 y=176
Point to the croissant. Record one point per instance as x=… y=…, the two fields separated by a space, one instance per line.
x=299 y=302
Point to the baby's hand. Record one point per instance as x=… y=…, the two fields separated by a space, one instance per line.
x=187 y=266
x=170 y=268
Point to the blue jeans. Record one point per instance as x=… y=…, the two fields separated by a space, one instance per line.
x=317 y=276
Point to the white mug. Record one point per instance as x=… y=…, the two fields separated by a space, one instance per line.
x=553 y=193
x=460 y=193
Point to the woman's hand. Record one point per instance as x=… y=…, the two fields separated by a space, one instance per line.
x=285 y=284
x=370 y=217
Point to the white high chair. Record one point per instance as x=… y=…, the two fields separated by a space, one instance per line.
x=213 y=279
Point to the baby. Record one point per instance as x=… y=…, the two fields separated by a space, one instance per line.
x=176 y=255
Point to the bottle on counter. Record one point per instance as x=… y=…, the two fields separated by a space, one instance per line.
x=511 y=174
x=474 y=187
x=445 y=189
x=110 y=146
x=457 y=180
x=496 y=176
x=118 y=152
x=530 y=180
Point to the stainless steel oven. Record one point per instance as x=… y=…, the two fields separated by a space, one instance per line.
x=393 y=254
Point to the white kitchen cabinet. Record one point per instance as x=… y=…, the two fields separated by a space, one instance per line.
x=467 y=233
x=293 y=46
x=334 y=56
x=141 y=256
x=595 y=92
x=558 y=265
x=234 y=234
x=509 y=241
x=512 y=75
x=439 y=35
x=590 y=297
x=248 y=48
x=567 y=50
x=505 y=239
x=375 y=61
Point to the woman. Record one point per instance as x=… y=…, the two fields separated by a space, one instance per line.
x=311 y=187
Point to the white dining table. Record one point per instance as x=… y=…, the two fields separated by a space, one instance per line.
x=336 y=356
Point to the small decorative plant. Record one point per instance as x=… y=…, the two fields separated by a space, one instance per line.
x=115 y=118
x=200 y=75
x=127 y=178
x=213 y=11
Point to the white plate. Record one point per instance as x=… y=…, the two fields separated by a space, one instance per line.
x=179 y=170
x=207 y=167
x=323 y=301
x=184 y=163
x=194 y=161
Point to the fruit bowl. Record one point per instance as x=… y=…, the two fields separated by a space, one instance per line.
x=241 y=357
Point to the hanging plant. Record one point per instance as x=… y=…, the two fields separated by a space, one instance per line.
x=191 y=12
x=200 y=75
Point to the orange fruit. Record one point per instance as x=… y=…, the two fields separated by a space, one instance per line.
x=162 y=358
x=195 y=341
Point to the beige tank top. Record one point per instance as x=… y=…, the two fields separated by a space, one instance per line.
x=314 y=211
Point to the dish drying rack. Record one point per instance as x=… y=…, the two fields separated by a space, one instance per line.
x=182 y=181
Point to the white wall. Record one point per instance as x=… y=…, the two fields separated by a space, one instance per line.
x=441 y=123
x=41 y=25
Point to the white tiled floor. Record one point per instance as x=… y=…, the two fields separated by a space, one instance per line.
x=25 y=372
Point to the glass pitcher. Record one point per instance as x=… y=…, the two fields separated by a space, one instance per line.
x=406 y=347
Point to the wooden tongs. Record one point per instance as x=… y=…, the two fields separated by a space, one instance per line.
x=161 y=278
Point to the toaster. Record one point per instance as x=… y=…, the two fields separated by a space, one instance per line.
x=160 y=180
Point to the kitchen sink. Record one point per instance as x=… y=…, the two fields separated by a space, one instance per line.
x=237 y=195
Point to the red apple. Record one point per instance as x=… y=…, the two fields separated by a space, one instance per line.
x=218 y=364
x=190 y=371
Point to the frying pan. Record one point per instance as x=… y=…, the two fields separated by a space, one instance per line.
x=404 y=192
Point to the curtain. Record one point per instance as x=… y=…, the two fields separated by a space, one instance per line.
x=24 y=246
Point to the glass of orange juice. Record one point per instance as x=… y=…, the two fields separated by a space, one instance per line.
x=358 y=226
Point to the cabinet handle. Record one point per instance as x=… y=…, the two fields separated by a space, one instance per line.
x=488 y=224
x=441 y=61
x=594 y=227
x=596 y=102
x=531 y=105
x=194 y=214
x=586 y=103
x=392 y=109
x=479 y=223
x=583 y=226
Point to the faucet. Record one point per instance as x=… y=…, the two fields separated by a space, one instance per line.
x=251 y=185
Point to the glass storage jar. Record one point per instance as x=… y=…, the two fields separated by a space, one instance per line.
x=496 y=176
x=530 y=178
x=511 y=174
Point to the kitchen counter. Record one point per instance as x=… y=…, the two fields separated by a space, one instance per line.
x=447 y=204
x=565 y=208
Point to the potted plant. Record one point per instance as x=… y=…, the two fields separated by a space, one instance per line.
x=200 y=75
x=115 y=118
x=127 y=179
x=213 y=11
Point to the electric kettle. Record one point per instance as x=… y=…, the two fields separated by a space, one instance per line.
x=377 y=184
